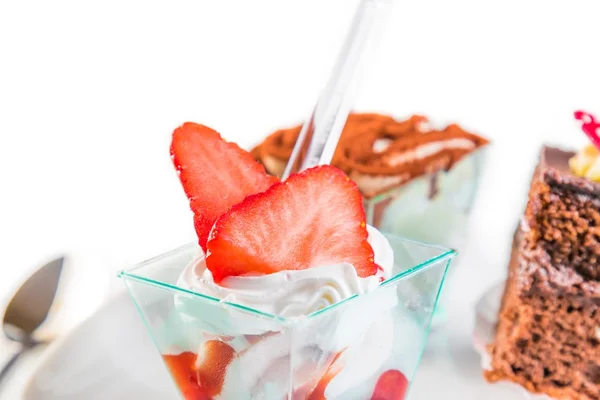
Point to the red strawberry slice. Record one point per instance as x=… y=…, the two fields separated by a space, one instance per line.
x=216 y=358
x=215 y=174
x=391 y=385
x=203 y=381
x=183 y=372
x=315 y=218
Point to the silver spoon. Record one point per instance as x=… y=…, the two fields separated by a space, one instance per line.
x=29 y=308
x=321 y=132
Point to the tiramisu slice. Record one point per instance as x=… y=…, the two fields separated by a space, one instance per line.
x=380 y=153
x=416 y=181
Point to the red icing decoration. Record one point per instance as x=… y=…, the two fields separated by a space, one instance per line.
x=590 y=127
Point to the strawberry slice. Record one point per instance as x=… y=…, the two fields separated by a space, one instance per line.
x=391 y=385
x=204 y=380
x=211 y=371
x=183 y=372
x=215 y=174
x=315 y=218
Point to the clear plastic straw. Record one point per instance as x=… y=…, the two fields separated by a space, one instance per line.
x=321 y=132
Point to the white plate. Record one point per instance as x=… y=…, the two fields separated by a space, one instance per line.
x=109 y=356
x=486 y=318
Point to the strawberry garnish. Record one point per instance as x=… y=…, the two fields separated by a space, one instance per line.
x=200 y=377
x=215 y=174
x=215 y=359
x=182 y=369
x=315 y=218
x=391 y=385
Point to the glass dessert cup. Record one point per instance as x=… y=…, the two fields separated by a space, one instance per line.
x=220 y=350
x=442 y=200
x=438 y=189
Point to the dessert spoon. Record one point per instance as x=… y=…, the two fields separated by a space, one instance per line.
x=321 y=132
x=29 y=308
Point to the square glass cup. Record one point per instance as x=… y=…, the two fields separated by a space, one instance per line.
x=434 y=208
x=215 y=349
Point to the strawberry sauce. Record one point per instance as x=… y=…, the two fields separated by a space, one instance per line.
x=318 y=392
x=182 y=370
x=203 y=381
x=206 y=380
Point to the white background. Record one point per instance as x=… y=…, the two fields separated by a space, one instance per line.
x=91 y=91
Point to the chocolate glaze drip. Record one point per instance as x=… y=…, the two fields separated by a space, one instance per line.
x=433 y=186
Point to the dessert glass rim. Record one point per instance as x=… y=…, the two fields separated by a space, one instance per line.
x=445 y=254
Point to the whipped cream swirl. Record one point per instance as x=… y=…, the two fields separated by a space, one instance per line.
x=293 y=293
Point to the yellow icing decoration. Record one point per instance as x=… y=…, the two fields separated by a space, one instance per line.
x=586 y=163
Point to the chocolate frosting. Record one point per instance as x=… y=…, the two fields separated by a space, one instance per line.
x=554 y=164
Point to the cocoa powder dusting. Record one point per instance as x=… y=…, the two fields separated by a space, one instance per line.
x=378 y=145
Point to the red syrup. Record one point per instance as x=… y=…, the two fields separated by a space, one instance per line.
x=203 y=381
x=182 y=369
x=318 y=392
x=380 y=269
x=590 y=127
x=206 y=380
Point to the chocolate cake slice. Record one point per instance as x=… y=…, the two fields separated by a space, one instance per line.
x=548 y=333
